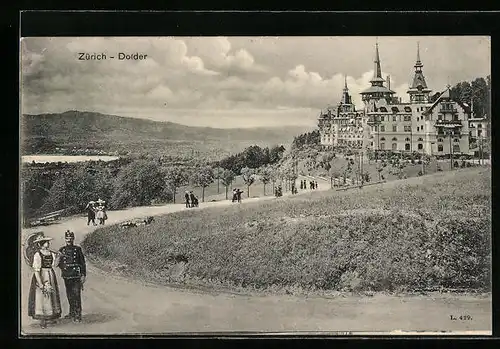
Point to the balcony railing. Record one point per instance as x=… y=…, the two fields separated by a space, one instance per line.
x=445 y=110
x=448 y=123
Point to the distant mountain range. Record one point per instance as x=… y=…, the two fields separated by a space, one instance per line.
x=40 y=133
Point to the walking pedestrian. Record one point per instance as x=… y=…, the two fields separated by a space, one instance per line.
x=186 y=197
x=193 y=199
x=74 y=272
x=315 y=185
x=238 y=195
x=90 y=212
x=235 y=195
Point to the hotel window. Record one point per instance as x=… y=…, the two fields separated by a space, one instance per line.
x=479 y=125
x=456 y=148
x=394 y=146
x=420 y=139
x=407 y=146
x=394 y=139
x=394 y=128
x=440 y=147
x=394 y=118
x=407 y=139
x=408 y=109
x=420 y=146
x=440 y=140
x=418 y=119
x=382 y=118
x=382 y=146
x=440 y=117
x=407 y=118
x=418 y=128
x=382 y=139
x=407 y=128
x=371 y=143
x=456 y=140
x=382 y=128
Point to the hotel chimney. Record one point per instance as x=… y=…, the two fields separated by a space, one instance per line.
x=389 y=82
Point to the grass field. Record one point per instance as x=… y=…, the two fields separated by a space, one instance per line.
x=429 y=232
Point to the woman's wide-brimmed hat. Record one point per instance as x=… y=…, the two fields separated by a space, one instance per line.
x=41 y=238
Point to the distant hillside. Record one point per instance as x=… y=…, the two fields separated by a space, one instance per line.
x=114 y=133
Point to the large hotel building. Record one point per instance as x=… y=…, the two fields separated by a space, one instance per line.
x=387 y=123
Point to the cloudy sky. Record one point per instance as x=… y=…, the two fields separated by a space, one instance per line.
x=232 y=81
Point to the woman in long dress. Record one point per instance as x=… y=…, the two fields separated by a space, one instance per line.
x=44 y=301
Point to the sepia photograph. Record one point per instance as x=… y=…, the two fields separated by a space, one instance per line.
x=336 y=185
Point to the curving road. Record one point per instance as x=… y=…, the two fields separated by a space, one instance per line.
x=114 y=305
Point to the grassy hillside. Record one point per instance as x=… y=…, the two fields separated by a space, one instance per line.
x=309 y=162
x=109 y=132
x=422 y=233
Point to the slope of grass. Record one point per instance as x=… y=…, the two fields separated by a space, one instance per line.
x=423 y=233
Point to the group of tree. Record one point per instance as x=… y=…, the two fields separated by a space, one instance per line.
x=306 y=139
x=252 y=157
x=476 y=94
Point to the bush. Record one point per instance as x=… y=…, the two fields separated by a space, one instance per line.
x=138 y=184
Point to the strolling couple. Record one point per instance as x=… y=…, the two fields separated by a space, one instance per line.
x=96 y=209
x=237 y=195
x=191 y=199
x=44 y=302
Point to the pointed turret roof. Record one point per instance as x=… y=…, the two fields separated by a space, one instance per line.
x=377 y=71
x=377 y=81
x=418 y=63
x=345 y=93
x=419 y=83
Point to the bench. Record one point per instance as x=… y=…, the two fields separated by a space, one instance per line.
x=48 y=218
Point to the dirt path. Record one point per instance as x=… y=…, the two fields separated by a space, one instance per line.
x=113 y=305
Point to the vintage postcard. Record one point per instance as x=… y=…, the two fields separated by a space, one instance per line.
x=272 y=185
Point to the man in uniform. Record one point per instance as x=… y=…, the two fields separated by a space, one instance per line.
x=73 y=271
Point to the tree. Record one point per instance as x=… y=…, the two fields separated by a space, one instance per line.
x=227 y=177
x=218 y=173
x=137 y=184
x=248 y=178
x=480 y=96
x=203 y=177
x=57 y=199
x=274 y=174
x=175 y=177
x=276 y=154
x=265 y=177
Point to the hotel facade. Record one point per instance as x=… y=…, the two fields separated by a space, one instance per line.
x=387 y=123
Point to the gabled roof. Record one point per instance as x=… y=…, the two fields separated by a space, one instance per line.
x=446 y=95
